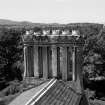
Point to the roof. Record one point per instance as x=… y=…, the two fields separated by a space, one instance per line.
x=24 y=97
x=53 y=92
x=60 y=94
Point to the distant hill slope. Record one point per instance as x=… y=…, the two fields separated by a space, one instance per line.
x=10 y=22
x=27 y=24
x=6 y=21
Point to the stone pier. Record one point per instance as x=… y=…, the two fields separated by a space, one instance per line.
x=45 y=62
x=36 y=62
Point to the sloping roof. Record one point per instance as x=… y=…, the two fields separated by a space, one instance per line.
x=24 y=97
x=53 y=92
x=60 y=94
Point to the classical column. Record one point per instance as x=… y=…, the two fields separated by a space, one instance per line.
x=25 y=62
x=73 y=64
x=36 y=60
x=30 y=61
x=45 y=62
x=79 y=77
x=54 y=61
x=49 y=53
x=63 y=62
x=69 y=62
x=40 y=62
x=59 y=74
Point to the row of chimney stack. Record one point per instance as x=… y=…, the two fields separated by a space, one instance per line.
x=53 y=32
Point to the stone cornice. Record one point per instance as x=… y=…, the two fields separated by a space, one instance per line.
x=52 y=37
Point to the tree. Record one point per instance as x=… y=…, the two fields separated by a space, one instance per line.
x=10 y=54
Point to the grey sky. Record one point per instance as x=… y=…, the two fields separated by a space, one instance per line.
x=52 y=11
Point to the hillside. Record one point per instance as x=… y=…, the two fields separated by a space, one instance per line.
x=11 y=23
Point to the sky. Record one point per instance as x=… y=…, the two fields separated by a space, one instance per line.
x=53 y=11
